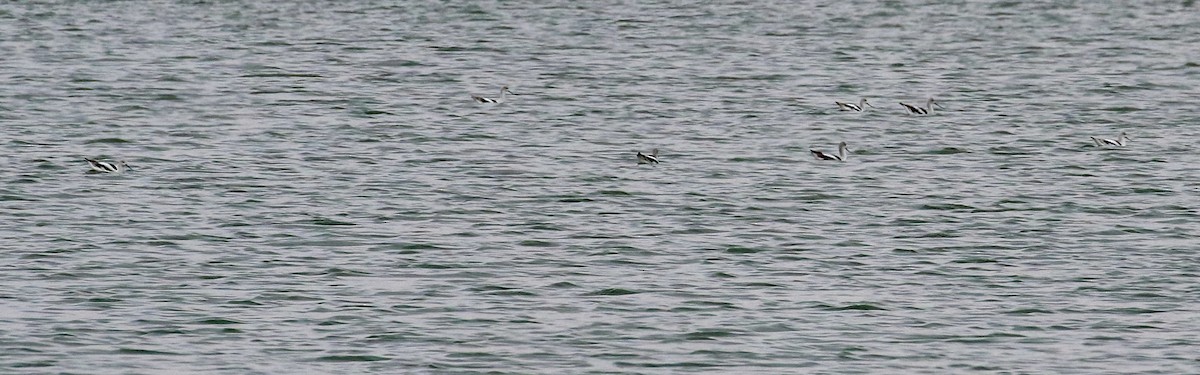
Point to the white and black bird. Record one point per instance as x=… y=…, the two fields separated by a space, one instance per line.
x=841 y=155
x=503 y=91
x=107 y=167
x=922 y=111
x=652 y=158
x=854 y=107
x=1119 y=142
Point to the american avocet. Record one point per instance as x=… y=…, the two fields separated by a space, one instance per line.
x=852 y=106
x=503 y=91
x=1119 y=142
x=841 y=156
x=648 y=159
x=922 y=111
x=106 y=167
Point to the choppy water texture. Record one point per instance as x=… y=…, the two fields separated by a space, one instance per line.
x=314 y=192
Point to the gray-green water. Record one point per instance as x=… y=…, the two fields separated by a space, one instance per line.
x=314 y=192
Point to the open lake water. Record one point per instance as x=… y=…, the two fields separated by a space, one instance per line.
x=314 y=191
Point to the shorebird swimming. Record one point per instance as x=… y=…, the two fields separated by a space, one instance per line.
x=1119 y=142
x=503 y=91
x=852 y=106
x=648 y=159
x=841 y=156
x=922 y=111
x=106 y=167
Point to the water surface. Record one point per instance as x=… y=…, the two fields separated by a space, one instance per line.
x=314 y=191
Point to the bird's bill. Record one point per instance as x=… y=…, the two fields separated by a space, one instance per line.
x=509 y=92
x=939 y=105
x=869 y=104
